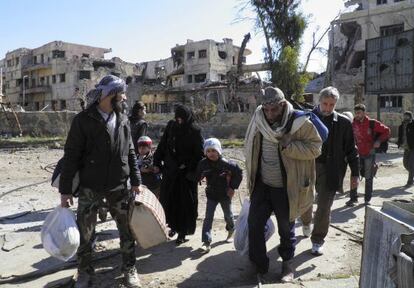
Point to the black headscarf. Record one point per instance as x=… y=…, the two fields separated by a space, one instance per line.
x=186 y=114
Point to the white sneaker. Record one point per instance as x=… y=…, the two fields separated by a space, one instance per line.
x=307 y=230
x=317 y=249
x=206 y=247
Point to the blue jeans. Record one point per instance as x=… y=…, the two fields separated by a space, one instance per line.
x=208 y=220
x=367 y=162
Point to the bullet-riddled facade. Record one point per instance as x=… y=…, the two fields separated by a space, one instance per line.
x=57 y=75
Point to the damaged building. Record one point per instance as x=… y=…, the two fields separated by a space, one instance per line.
x=347 y=62
x=57 y=75
x=198 y=73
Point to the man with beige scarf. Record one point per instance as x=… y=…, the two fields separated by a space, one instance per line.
x=280 y=165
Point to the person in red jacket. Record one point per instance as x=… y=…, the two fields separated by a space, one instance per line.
x=369 y=134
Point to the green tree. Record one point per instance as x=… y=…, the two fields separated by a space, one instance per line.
x=283 y=27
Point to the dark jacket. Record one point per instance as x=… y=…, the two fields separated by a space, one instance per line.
x=409 y=132
x=149 y=179
x=103 y=165
x=220 y=176
x=139 y=128
x=338 y=150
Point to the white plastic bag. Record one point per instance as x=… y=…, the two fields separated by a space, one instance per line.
x=60 y=234
x=241 y=236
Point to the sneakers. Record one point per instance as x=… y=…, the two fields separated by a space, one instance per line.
x=83 y=279
x=307 y=230
x=351 y=202
x=131 y=278
x=287 y=272
x=317 y=249
x=206 y=247
x=229 y=238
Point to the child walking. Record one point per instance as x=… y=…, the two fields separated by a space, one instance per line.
x=145 y=164
x=222 y=178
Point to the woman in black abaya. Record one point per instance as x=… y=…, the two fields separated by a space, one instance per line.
x=178 y=153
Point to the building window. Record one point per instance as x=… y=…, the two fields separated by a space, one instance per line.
x=189 y=78
x=42 y=81
x=392 y=29
x=380 y=2
x=202 y=53
x=47 y=80
x=37 y=106
x=17 y=61
x=53 y=79
x=33 y=83
x=9 y=63
x=190 y=55
x=391 y=103
x=222 y=77
x=85 y=55
x=84 y=75
x=62 y=77
x=54 y=105
x=34 y=59
x=58 y=54
x=200 y=78
x=42 y=58
x=62 y=104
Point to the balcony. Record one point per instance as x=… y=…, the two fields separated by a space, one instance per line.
x=38 y=89
x=38 y=66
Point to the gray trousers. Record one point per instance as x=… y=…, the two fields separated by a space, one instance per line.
x=408 y=161
x=324 y=200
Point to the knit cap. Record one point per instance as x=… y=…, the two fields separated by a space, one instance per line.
x=144 y=141
x=213 y=143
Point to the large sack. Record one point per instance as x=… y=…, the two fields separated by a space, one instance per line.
x=60 y=234
x=147 y=222
x=241 y=235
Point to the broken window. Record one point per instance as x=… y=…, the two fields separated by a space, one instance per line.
x=391 y=29
x=42 y=58
x=189 y=78
x=54 y=105
x=9 y=63
x=222 y=77
x=17 y=61
x=389 y=102
x=85 y=55
x=222 y=54
x=34 y=59
x=84 y=75
x=62 y=77
x=58 y=54
x=53 y=79
x=42 y=81
x=200 y=78
x=190 y=55
x=380 y=2
x=37 y=106
x=202 y=53
x=33 y=82
x=102 y=63
x=62 y=104
x=356 y=61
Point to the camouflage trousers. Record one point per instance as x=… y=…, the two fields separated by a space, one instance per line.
x=118 y=203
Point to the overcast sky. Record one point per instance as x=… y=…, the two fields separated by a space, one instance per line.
x=139 y=30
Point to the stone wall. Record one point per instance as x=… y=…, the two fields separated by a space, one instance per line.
x=222 y=125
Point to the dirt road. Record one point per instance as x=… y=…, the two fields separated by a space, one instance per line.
x=26 y=197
